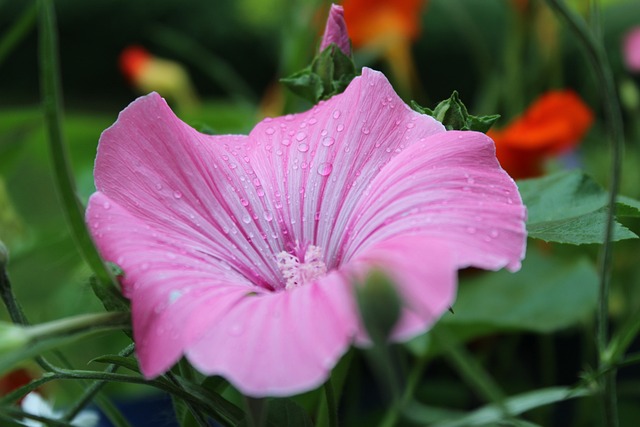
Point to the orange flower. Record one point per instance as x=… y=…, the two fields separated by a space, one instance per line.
x=387 y=27
x=553 y=124
x=370 y=21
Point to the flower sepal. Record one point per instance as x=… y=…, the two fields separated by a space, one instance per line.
x=329 y=74
x=453 y=114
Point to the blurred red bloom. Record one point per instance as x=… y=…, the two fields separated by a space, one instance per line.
x=14 y=380
x=555 y=123
x=370 y=21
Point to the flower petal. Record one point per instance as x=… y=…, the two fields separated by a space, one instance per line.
x=169 y=280
x=298 y=339
x=449 y=187
x=318 y=164
x=425 y=273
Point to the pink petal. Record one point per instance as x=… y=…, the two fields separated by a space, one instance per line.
x=170 y=281
x=336 y=31
x=450 y=188
x=425 y=273
x=318 y=164
x=282 y=343
x=631 y=49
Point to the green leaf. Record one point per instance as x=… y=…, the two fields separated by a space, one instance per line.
x=627 y=206
x=515 y=405
x=329 y=74
x=569 y=207
x=130 y=363
x=548 y=294
x=453 y=114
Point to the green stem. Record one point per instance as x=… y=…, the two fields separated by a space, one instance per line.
x=95 y=388
x=52 y=106
x=82 y=323
x=470 y=370
x=332 y=407
x=17 y=32
x=592 y=43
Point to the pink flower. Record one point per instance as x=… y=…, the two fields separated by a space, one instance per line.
x=336 y=31
x=241 y=252
x=631 y=49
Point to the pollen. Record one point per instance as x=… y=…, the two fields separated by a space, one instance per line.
x=297 y=270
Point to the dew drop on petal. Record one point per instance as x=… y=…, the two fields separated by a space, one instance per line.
x=158 y=186
x=244 y=202
x=328 y=141
x=106 y=205
x=494 y=233
x=303 y=147
x=336 y=114
x=270 y=131
x=300 y=136
x=268 y=216
x=340 y=128
x=325 y=168
x=286 y=142
x=410 y=125
x=366 y=131
x=313 y=121
x=177 y=194
x=246 y=219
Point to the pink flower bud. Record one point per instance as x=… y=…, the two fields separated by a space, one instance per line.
x=631 y=49
x=336 y=31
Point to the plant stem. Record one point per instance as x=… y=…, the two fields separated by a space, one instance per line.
x=592 y=43
x=332 y=407
x=52 y=107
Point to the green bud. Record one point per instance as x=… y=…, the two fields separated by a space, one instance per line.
x=379 y=305
x=12 y=337
x=453 y=114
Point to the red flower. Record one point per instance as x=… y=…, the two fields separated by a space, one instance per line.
x=555 y=123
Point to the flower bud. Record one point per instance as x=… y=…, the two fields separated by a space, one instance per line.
x=336 y=31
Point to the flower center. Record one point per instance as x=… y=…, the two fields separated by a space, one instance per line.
x=298 y=270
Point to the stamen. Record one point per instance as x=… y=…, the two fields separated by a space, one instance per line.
x=298 y=271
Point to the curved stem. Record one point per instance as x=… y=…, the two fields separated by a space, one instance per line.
x=332 y=407
x=591 y=41
x=52 y=106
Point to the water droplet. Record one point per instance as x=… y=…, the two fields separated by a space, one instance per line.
x=304 y=165
x=494 y=233
x=313 y=121
x=366 y=131
x=268 y=216
x=336 y=114
x=177 y=194
x=303 y=147
x=325 y=168
x=328 y=141
x=270 y=131
x=410 y=125
x=301 y=136
x=286 y=142
x=246 y=219
x=232 y=166
x=340 y=128
x=158 y=186
x=323 y=132
x=106 y=205
x=244 y=202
